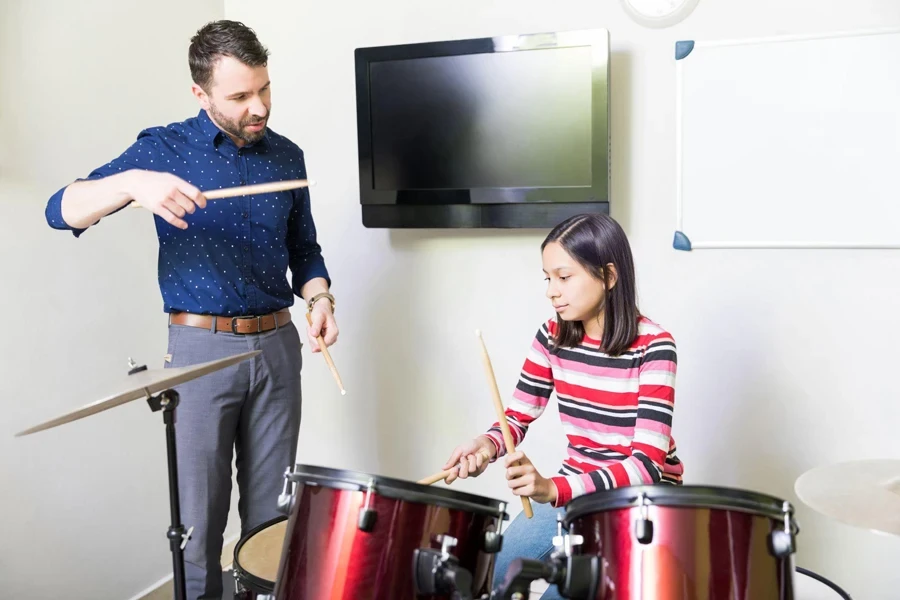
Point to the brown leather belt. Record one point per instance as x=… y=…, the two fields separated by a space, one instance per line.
x=236 y=325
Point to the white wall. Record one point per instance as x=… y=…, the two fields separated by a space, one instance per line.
x=786 y=358
x=85 y=506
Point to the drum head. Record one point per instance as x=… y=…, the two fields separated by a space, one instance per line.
x=397 y=489
x=695 y=496
x=257 y=555
x=812 y=586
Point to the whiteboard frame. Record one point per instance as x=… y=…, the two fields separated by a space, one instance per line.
x=682 y=241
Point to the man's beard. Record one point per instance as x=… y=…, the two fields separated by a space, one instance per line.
x=236 y=128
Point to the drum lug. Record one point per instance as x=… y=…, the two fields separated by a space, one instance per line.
x=781 y=541
x=643 y=527
x=286 y=498
x=367 y=516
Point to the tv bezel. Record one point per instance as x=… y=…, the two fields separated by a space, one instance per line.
x=486 y=206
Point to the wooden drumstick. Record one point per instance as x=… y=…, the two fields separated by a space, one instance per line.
x=501 y=414
x=246 y=190
x=444 y=474
x=328 y=360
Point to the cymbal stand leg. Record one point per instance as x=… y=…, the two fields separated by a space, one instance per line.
x=167 y=401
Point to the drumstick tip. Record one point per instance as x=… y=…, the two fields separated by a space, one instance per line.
x=478 y=333
x=343 y=392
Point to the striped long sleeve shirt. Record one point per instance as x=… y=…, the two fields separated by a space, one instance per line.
x=616 y=411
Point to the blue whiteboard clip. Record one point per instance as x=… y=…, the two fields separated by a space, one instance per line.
x=682 y=49
x=681 y=242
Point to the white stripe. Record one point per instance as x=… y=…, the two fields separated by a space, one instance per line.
x=607 y=384
x=651 y=438
x=665 y=378
x=603 y=439
x=546 y=386
x=633 y=471
x=526 y=409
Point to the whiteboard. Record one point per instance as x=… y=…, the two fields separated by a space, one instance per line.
x=789 y=142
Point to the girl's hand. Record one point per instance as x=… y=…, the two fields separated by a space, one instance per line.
x=524 y=479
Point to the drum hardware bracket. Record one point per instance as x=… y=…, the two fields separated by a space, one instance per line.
x=493 y=540
x=643 y=527
x=286 y=498
x=574 y=576
x=367 y=516
x=437 y=572
x=782 y=541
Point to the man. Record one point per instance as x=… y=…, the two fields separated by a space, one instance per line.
x=222 y=275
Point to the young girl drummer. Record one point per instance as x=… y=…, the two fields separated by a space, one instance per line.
x=613 y=370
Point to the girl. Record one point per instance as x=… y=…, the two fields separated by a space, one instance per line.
x=614 y=375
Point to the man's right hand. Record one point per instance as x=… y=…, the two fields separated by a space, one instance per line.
x=472 y=458
x=165 y=195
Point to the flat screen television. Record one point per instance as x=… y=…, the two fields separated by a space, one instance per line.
x=501 y=132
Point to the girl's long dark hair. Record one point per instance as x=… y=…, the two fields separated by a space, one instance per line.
x=596 y=240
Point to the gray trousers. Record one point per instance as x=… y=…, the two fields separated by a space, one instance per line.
x=253 y=407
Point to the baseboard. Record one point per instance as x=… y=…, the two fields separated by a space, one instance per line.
x=162 y=589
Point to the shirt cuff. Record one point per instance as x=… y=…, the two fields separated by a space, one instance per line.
x=498 y=443
x=563 y=491
x=53 y=213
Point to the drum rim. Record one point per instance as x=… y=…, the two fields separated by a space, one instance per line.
x=266 y=586
x=666 y=495
x=399 y=489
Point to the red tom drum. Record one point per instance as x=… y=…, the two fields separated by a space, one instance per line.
x=685 y=543
x=353 y=536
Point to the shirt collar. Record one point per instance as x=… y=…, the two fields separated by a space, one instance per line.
x=216 y=136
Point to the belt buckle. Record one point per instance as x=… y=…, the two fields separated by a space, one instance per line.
x=234 y=324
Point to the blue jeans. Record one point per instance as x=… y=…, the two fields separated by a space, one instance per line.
x=529 y=538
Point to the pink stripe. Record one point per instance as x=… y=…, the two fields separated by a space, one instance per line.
x=659 y=365
x=650 y=425
x=529 y=399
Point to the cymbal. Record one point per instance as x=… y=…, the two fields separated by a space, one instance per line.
x=862 y=493
x=141 y=384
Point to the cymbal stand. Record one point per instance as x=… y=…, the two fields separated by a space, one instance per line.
x=167 y=401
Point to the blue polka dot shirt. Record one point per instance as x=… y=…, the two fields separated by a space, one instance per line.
x=234 y=256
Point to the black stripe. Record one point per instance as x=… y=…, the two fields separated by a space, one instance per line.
x=661 y=354
x=540 y=392
x=655 y=416
x=612 y=421
x=598 y=479
x=648 y=464
x=662 y=405
x=535 y=380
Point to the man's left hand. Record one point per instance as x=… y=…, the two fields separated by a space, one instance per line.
x=323 y=324
x=524 y=479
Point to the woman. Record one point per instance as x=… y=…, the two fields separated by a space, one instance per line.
x=614 y=375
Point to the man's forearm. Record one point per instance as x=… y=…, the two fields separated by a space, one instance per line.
x=86 y=202
x=316 y=285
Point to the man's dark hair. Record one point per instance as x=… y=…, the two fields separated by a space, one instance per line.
x=223 y=38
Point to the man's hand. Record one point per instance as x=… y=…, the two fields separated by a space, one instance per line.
x=323 y=324
x=165 y=195
x=524 y=479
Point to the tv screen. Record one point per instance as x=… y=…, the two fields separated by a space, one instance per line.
x=492 y=132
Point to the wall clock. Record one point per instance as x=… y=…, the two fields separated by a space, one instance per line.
x=659 y=13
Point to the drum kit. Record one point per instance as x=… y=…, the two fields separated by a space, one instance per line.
x=346 y=535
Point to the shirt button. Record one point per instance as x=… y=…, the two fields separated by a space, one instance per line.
x=246 y=248
x=246 y=215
